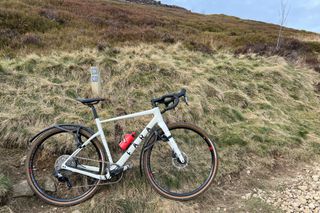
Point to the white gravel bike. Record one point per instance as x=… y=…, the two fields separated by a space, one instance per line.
x=66 y=163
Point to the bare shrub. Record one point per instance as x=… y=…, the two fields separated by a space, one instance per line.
x=197 y=46
x=8 y=33
x=167 y=38
x=313 y=61
x=97 y=20
x=51 y=15
x=31 y=39
x=317 y=87
x=101 y=46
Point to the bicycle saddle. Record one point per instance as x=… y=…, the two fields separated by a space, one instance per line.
x=90 y=101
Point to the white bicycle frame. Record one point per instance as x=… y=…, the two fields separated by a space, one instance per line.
x=91 y=171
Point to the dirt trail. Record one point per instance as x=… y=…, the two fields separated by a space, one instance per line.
x=287 y=190
x=298 y=191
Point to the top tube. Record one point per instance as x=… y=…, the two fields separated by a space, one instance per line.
x=153 y=111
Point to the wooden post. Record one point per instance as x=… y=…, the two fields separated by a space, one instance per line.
x=95 y=81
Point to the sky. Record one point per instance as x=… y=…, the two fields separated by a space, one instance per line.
x=303 y=14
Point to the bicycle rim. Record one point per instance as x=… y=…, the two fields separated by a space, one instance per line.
x=43 y=158
x=182 y=181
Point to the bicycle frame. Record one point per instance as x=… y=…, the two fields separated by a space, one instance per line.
x=156 y=120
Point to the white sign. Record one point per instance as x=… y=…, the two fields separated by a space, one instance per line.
x=95 y=81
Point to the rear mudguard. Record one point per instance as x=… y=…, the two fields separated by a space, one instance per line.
x=62 y=126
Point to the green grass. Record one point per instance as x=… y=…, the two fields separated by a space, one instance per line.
x=5 y=186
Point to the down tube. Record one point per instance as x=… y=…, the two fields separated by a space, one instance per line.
x=136 y=143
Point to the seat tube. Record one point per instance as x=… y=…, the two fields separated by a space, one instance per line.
x=104 y=141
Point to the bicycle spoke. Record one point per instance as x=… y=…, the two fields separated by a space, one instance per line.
x=45 y=160
x=173 y=178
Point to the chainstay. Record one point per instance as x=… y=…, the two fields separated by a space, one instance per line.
x=100 y=184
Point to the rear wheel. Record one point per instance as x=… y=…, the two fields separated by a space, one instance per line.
x=45 y=157
x=176 y=180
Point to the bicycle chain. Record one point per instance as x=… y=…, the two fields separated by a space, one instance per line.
x=100 y=184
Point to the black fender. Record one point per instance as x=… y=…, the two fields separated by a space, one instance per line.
x=154 y=136
x=61 y=126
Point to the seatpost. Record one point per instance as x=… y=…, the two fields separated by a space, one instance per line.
x=94 y=111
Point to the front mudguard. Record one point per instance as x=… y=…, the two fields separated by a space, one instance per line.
x=153 y=137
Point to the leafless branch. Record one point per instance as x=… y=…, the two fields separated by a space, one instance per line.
x=283 y=14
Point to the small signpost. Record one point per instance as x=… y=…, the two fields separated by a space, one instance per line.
x=95 y=81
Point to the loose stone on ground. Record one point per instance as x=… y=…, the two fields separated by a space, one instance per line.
x=297 y=194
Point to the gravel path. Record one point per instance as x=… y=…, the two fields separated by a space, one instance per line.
x=298 y=193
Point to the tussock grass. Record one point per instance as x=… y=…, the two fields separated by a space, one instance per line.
x=262 y=112
x=5 y=186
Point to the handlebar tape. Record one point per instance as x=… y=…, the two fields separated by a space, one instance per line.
x=174 y=98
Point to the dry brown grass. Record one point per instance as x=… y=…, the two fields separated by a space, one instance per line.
x=262 y=112
x=309 y=38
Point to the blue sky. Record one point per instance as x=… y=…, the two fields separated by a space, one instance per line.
x=304 y=14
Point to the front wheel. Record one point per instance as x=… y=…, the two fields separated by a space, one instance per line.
x=176 y=180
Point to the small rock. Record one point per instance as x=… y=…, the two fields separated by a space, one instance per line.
x=315 y=178
x=76 y=211
x=247 y=196
x=93 y=203
x=22 y=189
x=302 y=201
x=295 y=205
x=303 y=188
x=23 y=160
x=312 y=206
x=5 y=209
x=49 y=185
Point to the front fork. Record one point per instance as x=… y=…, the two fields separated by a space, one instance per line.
x=172 y=142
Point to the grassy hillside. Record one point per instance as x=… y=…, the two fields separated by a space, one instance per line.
x=262 y=112
x=261 y=109
x=255 y=107
x=40 y=26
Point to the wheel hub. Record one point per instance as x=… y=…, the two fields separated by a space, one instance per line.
x=178 y=164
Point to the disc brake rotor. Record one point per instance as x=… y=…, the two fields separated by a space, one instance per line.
x=176 y=162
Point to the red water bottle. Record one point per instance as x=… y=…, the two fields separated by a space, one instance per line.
x=127 y=140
